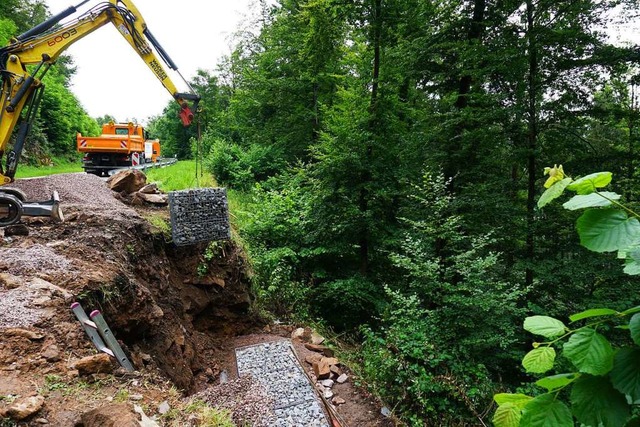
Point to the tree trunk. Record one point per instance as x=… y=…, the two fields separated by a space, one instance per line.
x=532 y=141
x=373 y=113
x=475 y=33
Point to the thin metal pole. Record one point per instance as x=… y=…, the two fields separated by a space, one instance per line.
x=110 y=340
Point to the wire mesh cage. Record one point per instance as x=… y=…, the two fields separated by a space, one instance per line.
x=199 y=215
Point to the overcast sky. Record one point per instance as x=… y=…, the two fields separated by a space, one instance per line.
x=112 y=79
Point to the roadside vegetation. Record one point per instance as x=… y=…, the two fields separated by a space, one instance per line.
x=180 y=176
x=53 y=166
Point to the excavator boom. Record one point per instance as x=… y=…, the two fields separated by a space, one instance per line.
x=27 y=58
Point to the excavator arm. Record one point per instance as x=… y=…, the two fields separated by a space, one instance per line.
x=25 y=61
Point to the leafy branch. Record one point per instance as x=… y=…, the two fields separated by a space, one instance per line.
x=605 y=386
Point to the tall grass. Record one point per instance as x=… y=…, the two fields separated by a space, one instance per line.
x=58 y=165
x=180 y=176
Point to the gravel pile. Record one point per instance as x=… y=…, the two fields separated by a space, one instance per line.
x=34 y=259
x=274 y=365
x=14 y=309
x=73 y=188
x=245 y=397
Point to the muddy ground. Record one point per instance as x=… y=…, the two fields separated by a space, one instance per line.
x=177 y=314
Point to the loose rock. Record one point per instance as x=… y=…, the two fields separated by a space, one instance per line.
x=149 y=189
x=316 y=339
x=25 y=333
x=156 y=199
x=114 y=415
x=16 y=230
x=297 y=334
x=51 y=353
x=338 y=401
x=128 y=181
x=342 y=379
x=99 y=363
x=164 y=407
x=327 y=383
x=322 y=369
x=24 y=408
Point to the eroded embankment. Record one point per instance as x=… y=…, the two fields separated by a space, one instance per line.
x=172 y=308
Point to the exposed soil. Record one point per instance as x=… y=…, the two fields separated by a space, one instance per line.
x=177 y=316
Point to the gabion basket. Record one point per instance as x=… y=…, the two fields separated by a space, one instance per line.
x=199 y=215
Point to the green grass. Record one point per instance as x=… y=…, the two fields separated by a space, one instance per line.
x=180 y=176
x=58 y=166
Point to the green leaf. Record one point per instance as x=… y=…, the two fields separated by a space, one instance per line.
x=634 y=327
x=553 y=192
x=539 y=360
x=590 y=352
x=595 y=402
x=593 y=312
x=507 y=415
x=625 y=374
x=555 y=382
x=546 y=411
x=588 y=184
x=606 y=230
x=632 y=267
x=546 y=326
x=518 y=399
x=593 y=200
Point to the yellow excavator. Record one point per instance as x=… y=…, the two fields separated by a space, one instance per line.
x=25 y=61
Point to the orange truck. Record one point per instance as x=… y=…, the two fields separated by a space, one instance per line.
x=120 y=145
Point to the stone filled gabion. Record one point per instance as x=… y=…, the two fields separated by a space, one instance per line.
x=199 y=215
x=274 y=365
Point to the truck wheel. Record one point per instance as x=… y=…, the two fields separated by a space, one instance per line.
x=10 y=209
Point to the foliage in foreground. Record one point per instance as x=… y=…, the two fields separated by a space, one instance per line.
x=598 y=379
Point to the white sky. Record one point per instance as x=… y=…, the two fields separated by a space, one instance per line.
x=112 y=79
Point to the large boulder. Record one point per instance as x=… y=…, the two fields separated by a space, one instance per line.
x=127 y=181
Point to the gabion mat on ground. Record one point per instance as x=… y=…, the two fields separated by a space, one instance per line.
x=275 y=366
x=199 y=215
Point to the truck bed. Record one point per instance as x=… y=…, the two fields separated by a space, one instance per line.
x=109 y=144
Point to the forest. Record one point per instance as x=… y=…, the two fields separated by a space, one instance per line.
x=386 y=158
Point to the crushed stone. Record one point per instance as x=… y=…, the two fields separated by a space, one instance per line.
x=73 y=188
x=275 y=366
x=245 y=397
x=34 y=259
x=14 y=308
